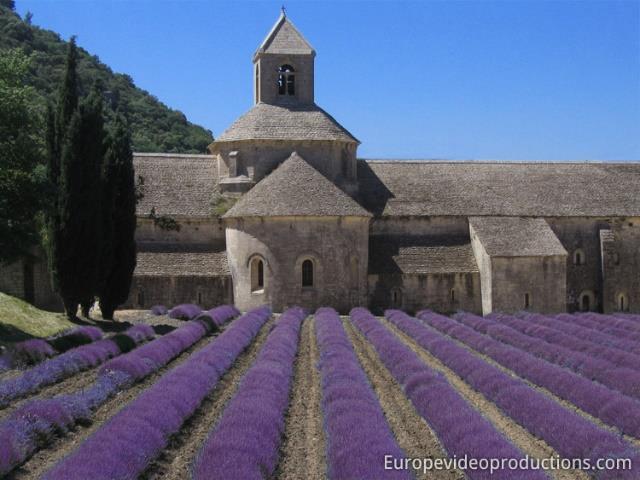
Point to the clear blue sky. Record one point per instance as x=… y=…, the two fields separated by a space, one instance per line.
x=508 y=80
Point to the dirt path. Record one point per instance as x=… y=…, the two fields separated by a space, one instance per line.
x=525 y=441
x=175 y=461
x=412 y=432
x=303 y=449
x=46 y=458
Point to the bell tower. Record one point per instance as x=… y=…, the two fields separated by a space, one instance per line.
x=283 y=66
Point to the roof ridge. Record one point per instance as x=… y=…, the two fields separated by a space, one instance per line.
x=276 y=29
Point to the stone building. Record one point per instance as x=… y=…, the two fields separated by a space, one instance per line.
x=283 y=212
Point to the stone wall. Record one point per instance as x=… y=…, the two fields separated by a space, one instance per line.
x=266 y=77
x=337 y=246
x=441 y=292
x=207 y=292
x=621 y=265
x=543 y=278
x=257 y=158
x=192 y=230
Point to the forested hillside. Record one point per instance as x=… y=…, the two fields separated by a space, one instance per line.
x=155 y=127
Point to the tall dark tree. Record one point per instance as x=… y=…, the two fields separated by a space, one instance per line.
x=11 y=4
x=79 y=238
x=21 y=155
x=57 y=125
x=119 y=220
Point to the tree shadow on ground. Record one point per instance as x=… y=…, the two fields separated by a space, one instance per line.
x=163 y=329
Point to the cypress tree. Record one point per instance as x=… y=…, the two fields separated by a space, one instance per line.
x=79 y=236
x=118 y=259
x=57 y=126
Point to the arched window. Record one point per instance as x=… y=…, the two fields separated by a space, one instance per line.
x=527 y=301
x=453 y=295
x=199 y=302
x=257 y=274
x=623 y=303
x=286 y=80
x=587 y=300
x=307 y=273
x=578 y=257
x=141 y=298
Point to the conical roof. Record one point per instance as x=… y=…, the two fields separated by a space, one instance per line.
x=284 y=38
x=295 y=188
x=265 y=121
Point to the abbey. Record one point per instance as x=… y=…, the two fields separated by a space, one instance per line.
x=282 y=211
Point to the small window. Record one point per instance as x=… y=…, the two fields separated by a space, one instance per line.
x=623 y=303
x=527 y=301
x=286 y=80
x=199 y=302
x=257 y=274
x=453 y=295
x=585 y=303
x=396 y=298
x=140 y=298
x=307 y=273
x=616 y=258
x=578 y=257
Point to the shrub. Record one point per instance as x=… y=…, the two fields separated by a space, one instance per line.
x=159 y=310
x=186 y=311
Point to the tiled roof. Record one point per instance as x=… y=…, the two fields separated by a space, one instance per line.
x=295 y=188
x=181 y=260
x=516 y=236
x=175 y=185
x=284 y=38
x=420 y=254
x=499 y=188
x=286 y=122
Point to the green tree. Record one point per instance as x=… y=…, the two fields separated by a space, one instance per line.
x=10 y=4
x=119 y=220
x=21 y=156
x=75 y=141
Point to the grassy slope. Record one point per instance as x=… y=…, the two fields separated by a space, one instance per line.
x=17 y=314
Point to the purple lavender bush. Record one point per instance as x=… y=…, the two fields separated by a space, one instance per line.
x=351 y=410
x=569 y=433
x=461 y=428
x=125 y=445
x=615 y=356
x=583 y=333
x=609 y=324
x=251 y=427
x=159 y=310
x=31 y=426
x=608 y=405
x=186 y=311
x=30 y=352
x=623 y=379
x=67 y=364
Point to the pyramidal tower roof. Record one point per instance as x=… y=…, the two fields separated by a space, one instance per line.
x=295 y=188
x=285 y=38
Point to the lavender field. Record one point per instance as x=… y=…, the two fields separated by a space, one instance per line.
x=313 y=395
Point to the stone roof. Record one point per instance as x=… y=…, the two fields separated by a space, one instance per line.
x=516 y=237
x=414 y=254
x=295 y=188
x=284 y=38
x=286 y=122
x=176 y=260
x=499 y=188
x=175 y=185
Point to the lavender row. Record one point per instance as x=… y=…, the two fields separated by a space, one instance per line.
x=584 y=333
x=186 y=311
x=603 y=324
x=251 y=427
x=615 y=356
x=357 y=433
x=73 y=361
x=36 y=350
x=461 y=428
x=610 y=406
x=625 y=380
x=31 y=426
x=127 y=443
x=148 y=358
x=614 y=321
x=570 y=434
